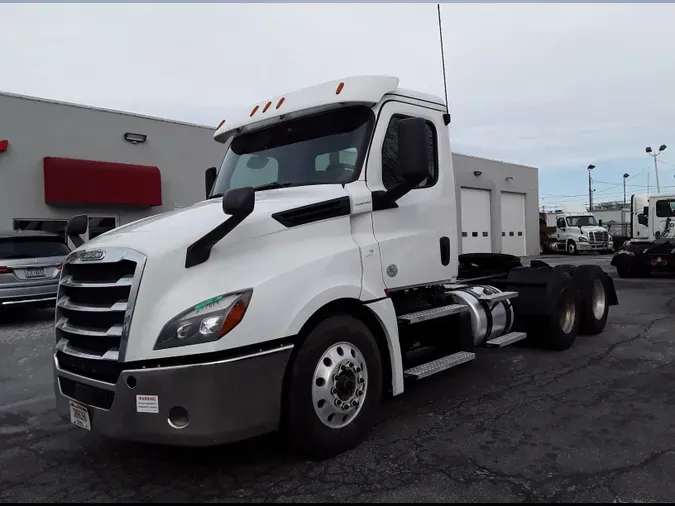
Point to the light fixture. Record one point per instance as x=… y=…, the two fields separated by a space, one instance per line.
x=477 y=173
x=135 y=138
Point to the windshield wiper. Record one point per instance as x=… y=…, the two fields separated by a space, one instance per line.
x=272 y=186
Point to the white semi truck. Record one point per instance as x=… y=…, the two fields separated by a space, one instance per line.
x=578 y=230
x=319 y=275
x=651 y=247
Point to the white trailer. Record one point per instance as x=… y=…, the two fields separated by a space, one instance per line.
x=320 y=273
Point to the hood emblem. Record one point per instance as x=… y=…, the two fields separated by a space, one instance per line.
x=35 y=260
x=91 y=255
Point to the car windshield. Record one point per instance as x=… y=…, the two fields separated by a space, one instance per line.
x=16 y=248
x=325 y=148
x=582 y=221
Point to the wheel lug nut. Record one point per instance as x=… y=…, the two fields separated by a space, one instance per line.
x=358 y=369
x=359 y=393
x=351 y=364
x=345 y=407
x=355 y=403
x=333 y=390
x=337 y=402
x=362 y=381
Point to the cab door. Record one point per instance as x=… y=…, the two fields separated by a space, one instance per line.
x=418 y=236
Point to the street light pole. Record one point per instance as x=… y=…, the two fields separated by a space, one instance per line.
x=590 y=192
x=625 y=176
x=648 y=150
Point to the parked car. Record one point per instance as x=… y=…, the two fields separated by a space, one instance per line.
x=30 y=264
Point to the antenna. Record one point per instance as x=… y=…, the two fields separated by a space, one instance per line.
x=446 y=116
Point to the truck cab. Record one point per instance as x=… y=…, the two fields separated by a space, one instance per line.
x=320 y=273
x=578 y=230
x=652 y=245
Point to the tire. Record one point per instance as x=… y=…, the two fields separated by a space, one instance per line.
x=557 y=330
x=590 y=280
x=572 y=248
x=307 y=398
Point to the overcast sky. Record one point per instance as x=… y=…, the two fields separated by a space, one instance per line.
x=555 y=86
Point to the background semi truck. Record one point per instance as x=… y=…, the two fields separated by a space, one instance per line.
x=651 y=247
x=574 y=230
x=320 y=274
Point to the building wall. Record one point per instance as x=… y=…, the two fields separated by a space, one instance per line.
x=38 y=128
x=493 y=177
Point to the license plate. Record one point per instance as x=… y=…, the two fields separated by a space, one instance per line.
x=79 y=415
x=35 y=273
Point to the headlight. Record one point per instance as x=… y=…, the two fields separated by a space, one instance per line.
x=206 y=322
x=583 y=239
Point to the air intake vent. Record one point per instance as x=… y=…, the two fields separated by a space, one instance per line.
x=314 y=212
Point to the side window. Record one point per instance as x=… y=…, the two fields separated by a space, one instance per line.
x=561 y=223
x=252 y=175
x=665 y=208
x=390 y=161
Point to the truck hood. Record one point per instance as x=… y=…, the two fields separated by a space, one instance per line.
x=588 y=228
x=178 y=229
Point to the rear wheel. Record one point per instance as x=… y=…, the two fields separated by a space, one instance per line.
x=335 y=387
x=594 y=299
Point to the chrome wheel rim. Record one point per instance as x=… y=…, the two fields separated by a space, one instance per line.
x=598 y=300
x=339 y=385
x=567 y=312
x=571 y=248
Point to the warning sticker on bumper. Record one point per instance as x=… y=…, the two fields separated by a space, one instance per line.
x=147 y=403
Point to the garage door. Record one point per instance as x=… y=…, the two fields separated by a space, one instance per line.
x=476 y=231
x=513 y=224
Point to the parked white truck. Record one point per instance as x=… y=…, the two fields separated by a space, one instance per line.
x=319 y=274
x=652 y=245
x=578 y=230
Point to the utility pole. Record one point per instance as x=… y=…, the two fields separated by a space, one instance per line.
x=590 y=191
x=648 y=150
x=625 y=176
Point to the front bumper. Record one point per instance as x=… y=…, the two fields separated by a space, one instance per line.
x=31 y=294
x=595 y=246
x=227 y=401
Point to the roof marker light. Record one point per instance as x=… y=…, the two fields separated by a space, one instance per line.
x=220 y=124
x=267 y=106
x=255 y=109
x=339 y=88
x=281 y=101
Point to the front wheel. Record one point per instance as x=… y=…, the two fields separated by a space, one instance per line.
x=335 y=387
x=572 y=248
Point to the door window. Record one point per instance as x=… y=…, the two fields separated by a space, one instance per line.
x=390 y=160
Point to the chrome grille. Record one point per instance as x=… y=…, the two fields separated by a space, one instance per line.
x=598 y=236
x=94 y=306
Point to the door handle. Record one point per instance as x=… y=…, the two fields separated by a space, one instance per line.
x=445 y=250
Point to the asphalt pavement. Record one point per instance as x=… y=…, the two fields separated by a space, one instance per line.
x=593 y=423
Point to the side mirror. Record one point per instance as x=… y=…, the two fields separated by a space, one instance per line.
x=600 y=222
x=209 y=179
x=239 y=201
x=413 y=152
x=76 y=226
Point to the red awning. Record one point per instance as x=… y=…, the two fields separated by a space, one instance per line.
x=72 y=181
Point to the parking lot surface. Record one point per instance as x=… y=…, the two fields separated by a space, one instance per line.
x=594 y=423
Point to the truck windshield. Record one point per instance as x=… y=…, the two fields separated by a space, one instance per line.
x=325 y=148
x=582 y=221
x=665 y=208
